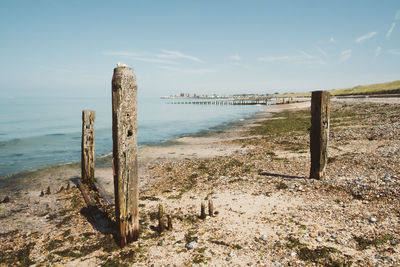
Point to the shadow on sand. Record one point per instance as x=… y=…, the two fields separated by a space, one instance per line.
x=281 y=175
x=98 y=217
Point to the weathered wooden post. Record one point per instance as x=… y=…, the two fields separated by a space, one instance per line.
x=203 y=210
x=124 y=130
x=210 y=208
x=319 y=132
x=87 y=147
x=161 y=224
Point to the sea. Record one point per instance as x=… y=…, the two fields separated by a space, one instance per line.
x=36 y=132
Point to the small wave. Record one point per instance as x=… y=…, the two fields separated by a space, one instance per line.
x=56 y=134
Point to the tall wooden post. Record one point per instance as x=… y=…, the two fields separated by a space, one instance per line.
x=319 y=132
x=87 y=147
x=124 y=130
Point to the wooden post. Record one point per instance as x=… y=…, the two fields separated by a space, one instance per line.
x=169 y=221
x=87 y=148
x=319 y=133
x=161 y=224
x=203 y=210
x=210 y=208
x=124 y=130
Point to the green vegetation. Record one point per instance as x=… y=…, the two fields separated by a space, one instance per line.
x=378 y=88
x=107 y=244
x=322 y=256
x=113 y=262
x=200 y=258
x=236 y=246
x=150 y=198
x=364 y=243
x=284 y=123
x=53 y=244
x=19 y=257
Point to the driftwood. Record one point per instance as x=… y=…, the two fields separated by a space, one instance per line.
x=85 y=194
x=103 y=194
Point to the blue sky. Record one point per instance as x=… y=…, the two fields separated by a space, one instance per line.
x=70 y=48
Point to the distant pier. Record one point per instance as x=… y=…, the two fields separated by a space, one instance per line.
x=222 y=102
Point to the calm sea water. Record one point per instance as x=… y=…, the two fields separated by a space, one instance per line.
x=36 y=132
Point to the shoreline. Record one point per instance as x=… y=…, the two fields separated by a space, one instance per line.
x=195 y=145
x=104 y=158
x=257 y=177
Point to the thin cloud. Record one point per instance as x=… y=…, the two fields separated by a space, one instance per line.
x=378 y=51
x=397 y=17
x=120 y=53
x=332 y=40
x=236 y=57
x=154 y=60
x=389 y=33
x=345 y=55
x=188 y=71
x=137 y=57
x=323 y=52
x=394 y=51
x=302 y=58
x=364 y=38
x=178 y=55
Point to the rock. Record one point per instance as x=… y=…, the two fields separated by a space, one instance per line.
x=231 y=254
x=293 y=254
x=160 y=243
x=372 y=219
x=319 y=239
x=191 y=245
x=263 y=237
x=6 y=200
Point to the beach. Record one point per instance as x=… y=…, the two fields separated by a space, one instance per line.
x=267 y=211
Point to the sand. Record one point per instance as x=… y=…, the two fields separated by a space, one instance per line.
x=268 y=212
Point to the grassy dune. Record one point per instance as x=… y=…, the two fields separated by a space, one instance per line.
x=378 y=88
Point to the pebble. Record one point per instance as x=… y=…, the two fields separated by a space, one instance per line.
x=293 y=254
x=231 y=254
x=313 y=235
x=160 y=243
x=319 y=239
x=372 y=219
x=191 y=245
x=263 y=237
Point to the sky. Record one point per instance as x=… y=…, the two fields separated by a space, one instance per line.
x=69 y=48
